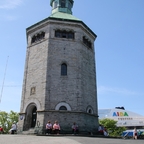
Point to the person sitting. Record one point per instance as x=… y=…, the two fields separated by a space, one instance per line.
x=1 y=130
x=105 y=132
x=74 y=128
x=13 y=129
x=101 y=130
x=48 y=128
x=56 y=128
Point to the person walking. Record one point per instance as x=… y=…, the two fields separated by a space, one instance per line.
x=135 y=133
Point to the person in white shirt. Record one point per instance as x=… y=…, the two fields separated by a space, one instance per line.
x=13 y=128
x=48 y=128
x=74 y=128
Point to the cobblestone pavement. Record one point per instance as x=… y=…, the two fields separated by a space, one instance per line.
x=29 y=139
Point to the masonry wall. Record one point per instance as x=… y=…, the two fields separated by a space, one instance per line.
x=86 y=122
x=43 y=71
x=78 y=88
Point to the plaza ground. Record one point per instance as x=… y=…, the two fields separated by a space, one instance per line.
x=32 y=139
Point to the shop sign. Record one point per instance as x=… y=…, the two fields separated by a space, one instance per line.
x=120 y=114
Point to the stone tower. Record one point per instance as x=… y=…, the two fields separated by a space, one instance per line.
x=60 y=75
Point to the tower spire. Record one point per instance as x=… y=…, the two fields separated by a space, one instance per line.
x=64 y=6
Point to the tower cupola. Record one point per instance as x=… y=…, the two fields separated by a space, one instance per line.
x=64 y=6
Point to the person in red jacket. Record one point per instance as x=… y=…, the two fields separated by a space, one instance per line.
x=1 y=130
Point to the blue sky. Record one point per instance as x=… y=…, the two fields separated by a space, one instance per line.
x=119 y=48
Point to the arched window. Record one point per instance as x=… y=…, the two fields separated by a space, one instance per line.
x=62 y=108
x=38 y=37
x=90 y=110
x=63 y=69
x=87 y=42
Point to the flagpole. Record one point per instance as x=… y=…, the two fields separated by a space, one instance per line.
x=4 y=79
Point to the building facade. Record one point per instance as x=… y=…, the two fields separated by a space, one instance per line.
x=60 y=75
x=123 y=117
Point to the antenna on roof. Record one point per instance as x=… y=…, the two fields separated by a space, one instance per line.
x=4 y=79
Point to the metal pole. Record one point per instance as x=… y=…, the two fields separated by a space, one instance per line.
x=4 y=79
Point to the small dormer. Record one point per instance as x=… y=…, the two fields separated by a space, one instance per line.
x=64 y=6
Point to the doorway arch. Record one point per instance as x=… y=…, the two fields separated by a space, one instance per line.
x=31 y=116
x=34 y=117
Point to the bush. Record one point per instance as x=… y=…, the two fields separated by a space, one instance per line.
x=6 y=120
x=111 y=127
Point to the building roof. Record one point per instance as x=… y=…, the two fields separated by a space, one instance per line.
x=51 y=1
x=66 y=17
x=62 y=15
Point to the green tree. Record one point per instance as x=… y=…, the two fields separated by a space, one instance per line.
x=111 y=127
x=6 y=119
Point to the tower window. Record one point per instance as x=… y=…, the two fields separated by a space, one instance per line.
x=64 y=34
x=55 y=4
x=62 y=108
x=71 y=35
x=89 y=110
x=38 y=37
x=87 y=42
x=63 y=69
x=63 y=3
x=69 y=6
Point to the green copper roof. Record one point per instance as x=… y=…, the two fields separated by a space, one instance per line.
x=62 y=12
x=61 y=15
x=62 y=6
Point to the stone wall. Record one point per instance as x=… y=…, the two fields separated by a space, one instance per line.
x=43 y=73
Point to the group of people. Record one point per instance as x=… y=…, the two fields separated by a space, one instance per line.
x=102 y=130
x=50 y=127
x=56 y=128
x=12 y=130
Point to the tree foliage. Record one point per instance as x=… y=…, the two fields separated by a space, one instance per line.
x=6 y=119
x=111 y=127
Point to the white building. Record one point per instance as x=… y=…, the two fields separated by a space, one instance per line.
x=123 y=117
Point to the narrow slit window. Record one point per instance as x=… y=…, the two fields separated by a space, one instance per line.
x=63 y=69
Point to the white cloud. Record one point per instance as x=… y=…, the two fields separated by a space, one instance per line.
x=9 y=4
x=103 y=89
x=7 y=18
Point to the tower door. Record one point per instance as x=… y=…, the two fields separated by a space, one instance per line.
x=34 y=117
